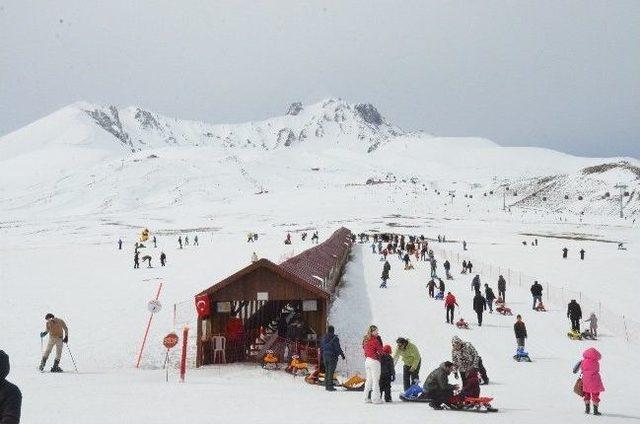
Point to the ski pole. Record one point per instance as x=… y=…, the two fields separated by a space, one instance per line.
x=72 y=360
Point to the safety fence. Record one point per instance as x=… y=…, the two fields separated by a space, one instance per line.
x=554 y=295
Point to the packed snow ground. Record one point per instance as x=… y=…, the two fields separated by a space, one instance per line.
x=71 y=267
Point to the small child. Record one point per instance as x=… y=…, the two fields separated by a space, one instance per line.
x=593 y=324
x=471 y=388
x=387 y=373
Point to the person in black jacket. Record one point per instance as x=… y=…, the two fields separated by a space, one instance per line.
x=387 y=373
x=479 y=305
x=330 y=348
x=10 y=396
x=574 y=313
x=520 y=331
x=475 y=284
x=489 y=296
x=536 y=292
x=502 y=288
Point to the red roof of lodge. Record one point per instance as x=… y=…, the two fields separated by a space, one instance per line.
x=314 y=264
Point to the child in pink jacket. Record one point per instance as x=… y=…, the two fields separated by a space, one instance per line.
x=591 y=380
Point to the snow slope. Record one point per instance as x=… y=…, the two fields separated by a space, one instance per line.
x=88 y=159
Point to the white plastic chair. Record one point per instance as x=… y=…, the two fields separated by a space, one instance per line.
x=219 y=345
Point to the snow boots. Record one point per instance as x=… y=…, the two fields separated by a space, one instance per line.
x=595 y=410
x=42 y=363
x=55 y=367
x=587 y=408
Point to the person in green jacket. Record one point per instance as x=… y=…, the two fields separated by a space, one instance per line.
x=411 y=359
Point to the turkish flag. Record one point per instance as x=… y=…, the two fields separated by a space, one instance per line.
x=203 y=305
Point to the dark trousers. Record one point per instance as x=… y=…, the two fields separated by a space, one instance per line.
x=538 y=298
x=502 y=294
x=408 y=377
x=385 y=388
x=439 y=396
x=431 y=291
x=330 y=364
x=575 y=323
x=450 y=310
x=479 y=318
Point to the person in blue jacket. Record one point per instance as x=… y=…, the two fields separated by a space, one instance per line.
x=330 y=348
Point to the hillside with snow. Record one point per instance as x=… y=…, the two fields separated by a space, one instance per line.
x=86 y=159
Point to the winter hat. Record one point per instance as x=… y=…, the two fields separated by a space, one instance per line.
x=48 y=316
x=386 y=349
x=456 y=340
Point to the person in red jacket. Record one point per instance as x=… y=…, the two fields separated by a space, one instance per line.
x=450 y=305
x=373 y=350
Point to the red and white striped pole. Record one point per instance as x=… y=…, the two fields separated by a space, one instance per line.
x=183 y=358
x=146 y=332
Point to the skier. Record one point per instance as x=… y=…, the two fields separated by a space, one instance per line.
x=385 y=273
x=58 y=334
x=155 y=242
x=314 y=237
x=479 y=305
x=502 y=288
x=195 y=240
x=372 y=346
x=136 y=260
x=565 y=251
x=163 y=259
x=520 y=331
x=387 y=373
x=447 y=269
x=591 y=380
x=180 y=241
x=489 y=296
x=147 y=258
x=254 y=257
x=431 y=285
x=582 y=252
x=437 y=385
x=475 y=284
x=10 y=396
x=450 y=306
x=593 y=324
x=574 y=313
x=119 y=244
x=330 y=350
x=536 y=292
x=411 y=360
x=464 y=356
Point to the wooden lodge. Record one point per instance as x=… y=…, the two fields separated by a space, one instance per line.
x=281 y=307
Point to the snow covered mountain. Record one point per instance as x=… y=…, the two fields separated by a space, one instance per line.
x=86 y=159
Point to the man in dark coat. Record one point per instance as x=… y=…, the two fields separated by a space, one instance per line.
x=330 y=348
x=582 y=252
x=447 y=269
x=502 y=288
x=475 y=284
x=163 y=259
x=437 y=387
x=574 y=313
x=536 y=292
x=10 y=396
x=565 y=251
x=489 y=296
x=385 y=273
x=479 y=305
x=520 y=331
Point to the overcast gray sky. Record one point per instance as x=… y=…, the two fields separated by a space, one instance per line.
x=559 y=74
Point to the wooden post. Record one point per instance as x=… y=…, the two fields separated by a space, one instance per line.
x=183 y=358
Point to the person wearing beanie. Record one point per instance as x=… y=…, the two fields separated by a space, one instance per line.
x=387 y=372
x=330 y=350
x=10 y=396
x=58 y=334
x=411 y=359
